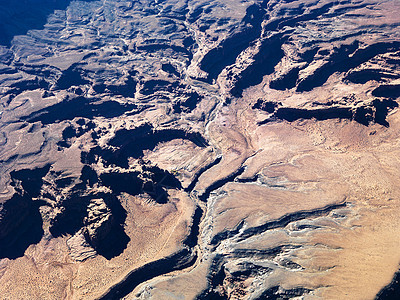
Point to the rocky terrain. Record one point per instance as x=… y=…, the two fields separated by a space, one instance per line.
x=174 y=149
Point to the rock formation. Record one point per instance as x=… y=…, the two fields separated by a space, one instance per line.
x=199 y=149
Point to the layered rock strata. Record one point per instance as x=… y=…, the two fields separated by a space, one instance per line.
x=199 y=149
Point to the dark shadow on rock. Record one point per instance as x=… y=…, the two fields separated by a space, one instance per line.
x=81 y=211
x=26 y=85
x=343 y=59
x=287 y=81
x=376 y=112
x=192 y=239
x=152 y=86
x=20 y=219
x=116 y=241
x=269 y=55
x=71 y=131
x=70 y=219
x=180 y=260
x=382 y=108
x=363 y=76
x=20 y=226
x=219 y=183
x=153 y=181
x=132 y=143
x=387 y=90
x=276 y=293
x=79 y=107
x=70 y=77
x=268 y=106
x=88 y=176
x=122 y=182
x=170 y=69
x=292 y=114
x=28 y=180
x=126 y=87
x=17 y=17
x=188 y=104
x=225 y=54
x=392 y=290
x=215 y=278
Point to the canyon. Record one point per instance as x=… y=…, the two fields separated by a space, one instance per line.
x=176 y=149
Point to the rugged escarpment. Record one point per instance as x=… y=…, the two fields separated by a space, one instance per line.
x=367 y=113
x=199 y=149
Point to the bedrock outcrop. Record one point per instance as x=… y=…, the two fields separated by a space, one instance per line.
x=199 y=149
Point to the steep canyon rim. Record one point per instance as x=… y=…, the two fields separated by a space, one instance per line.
x=182 y=149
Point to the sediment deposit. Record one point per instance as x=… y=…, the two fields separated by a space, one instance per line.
x=200 y=149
